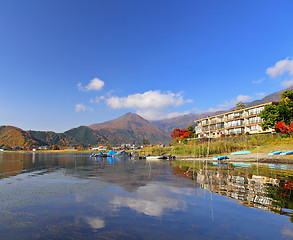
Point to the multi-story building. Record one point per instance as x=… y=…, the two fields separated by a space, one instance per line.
x=242 y=121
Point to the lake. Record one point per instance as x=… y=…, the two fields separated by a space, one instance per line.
x=73 y=196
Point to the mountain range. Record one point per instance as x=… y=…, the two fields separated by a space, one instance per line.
x=129 y=128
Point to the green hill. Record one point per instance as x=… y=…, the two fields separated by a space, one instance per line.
x=15 y=137
x=52 y=138
x=86 y=135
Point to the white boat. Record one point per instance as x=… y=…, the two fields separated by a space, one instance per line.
x=122 y=153
x=100 y=154
x=154 y=157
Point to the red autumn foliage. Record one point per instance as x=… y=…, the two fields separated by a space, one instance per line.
x=180 y=133
x=286 y=129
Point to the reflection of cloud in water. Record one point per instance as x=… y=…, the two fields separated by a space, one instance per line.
x=154 y=199
x=287 y=232
x=95 y=222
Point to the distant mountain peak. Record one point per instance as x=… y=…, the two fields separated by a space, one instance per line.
x=132 y=128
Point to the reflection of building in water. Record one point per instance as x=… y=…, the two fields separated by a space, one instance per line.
x=250 y=191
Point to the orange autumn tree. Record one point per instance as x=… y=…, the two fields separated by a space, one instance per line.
x=285 y=129
x=180 y=134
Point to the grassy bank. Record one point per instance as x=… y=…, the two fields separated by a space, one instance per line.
x=262 y=143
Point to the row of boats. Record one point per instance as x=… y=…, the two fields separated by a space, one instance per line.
x=111 y=153
x=248 y=152
x=122 y=153
x=233 y=153
x=280 y=153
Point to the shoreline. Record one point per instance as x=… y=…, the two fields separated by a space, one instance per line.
x=251 y=158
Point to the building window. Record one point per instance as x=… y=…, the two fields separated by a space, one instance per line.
x=255 y=111
x=255 y=119
x=235 y=123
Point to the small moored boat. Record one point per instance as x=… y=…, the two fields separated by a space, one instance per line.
x=122 y=154
x=220 y=157
x=274 y=153
x=241 y=153
x=159 y=157
x=111 y=153
x=100 y=154
x=286 y=153
x=154 y=157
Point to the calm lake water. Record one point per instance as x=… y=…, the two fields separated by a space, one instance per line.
x=54 y=196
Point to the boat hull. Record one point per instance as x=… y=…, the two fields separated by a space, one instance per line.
x=220 y=157
x=274 y=153
x=241 y=153
x=286 y=153
x=155 y=157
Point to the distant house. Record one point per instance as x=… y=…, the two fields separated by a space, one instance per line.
x=133 y=147
x=100 y=148
x=44 y=148
x=70 y=148
x=118 y=148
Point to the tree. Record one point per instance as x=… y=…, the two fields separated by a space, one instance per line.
x=281 y=112
x=191 y=129
x=145 y=142
x=240 y=106
x=180 y=134
x=285 y=129
x=55 y=147
x=287 y=95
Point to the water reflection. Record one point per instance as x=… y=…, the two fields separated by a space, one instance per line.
x=154 y=199
x=73 y=196
x=267 y=186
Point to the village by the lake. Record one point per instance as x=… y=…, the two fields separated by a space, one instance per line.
x=141 y=120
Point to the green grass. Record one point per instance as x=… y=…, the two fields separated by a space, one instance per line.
x=255 y=143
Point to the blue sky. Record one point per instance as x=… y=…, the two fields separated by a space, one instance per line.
x=69 y=63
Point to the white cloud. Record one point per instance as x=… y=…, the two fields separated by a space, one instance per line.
x=82 y=108
x=147 y=100
x=280 y=68
x=230 y=104
x=155 y=114
x=97 y=99
x=95 y=84
x=261 y=94
x=242 y=98
x=288 y=83
x=258 y=81
x=233 y=102
x=152 y=105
